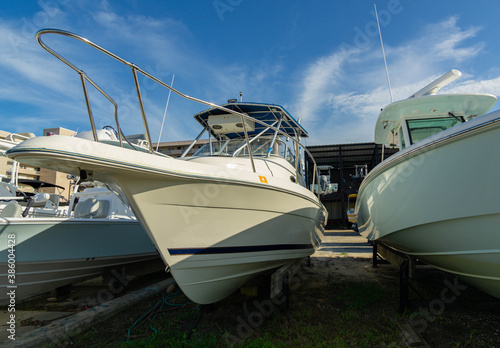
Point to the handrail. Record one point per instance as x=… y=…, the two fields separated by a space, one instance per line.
x=22 y=137
x=143 y=112
x=136 y=69
x=237 y=152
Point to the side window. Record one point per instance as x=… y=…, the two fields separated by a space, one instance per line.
x=402 y=143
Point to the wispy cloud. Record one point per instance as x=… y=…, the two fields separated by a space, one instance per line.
x=321 y=80
x=341 y=110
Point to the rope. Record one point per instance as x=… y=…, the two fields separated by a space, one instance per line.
x=152 y=313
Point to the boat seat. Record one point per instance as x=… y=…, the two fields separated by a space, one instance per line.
x=92 y=208
x=53 y=202
x=102 y=211
x=12 y=210
x=7 y=190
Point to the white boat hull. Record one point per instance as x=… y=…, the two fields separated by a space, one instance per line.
x=438 y=200
x=215 y=225
x=51 y=253
x=213 y=244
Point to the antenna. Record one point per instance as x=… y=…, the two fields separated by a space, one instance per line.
x=165 y=113
x=383 y=53
x=300 y=112
x=241 y=97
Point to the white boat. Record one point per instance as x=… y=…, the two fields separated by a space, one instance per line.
x=51 y=252
x=55 y=246
x=238 y=207
x=437 y=198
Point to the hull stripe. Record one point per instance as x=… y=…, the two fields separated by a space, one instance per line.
x=237 y=249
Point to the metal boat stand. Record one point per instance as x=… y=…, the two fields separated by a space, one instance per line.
x=280 y=283
x=406 y=265
x=62 y=293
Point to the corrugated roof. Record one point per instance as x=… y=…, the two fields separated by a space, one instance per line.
x=352 y=154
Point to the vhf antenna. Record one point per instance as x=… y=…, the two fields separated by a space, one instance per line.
x=383 y=53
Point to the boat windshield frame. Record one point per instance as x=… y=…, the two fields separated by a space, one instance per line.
x=429 y=126
x=263 y=148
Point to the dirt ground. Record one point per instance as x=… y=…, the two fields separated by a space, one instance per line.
x=333 y=302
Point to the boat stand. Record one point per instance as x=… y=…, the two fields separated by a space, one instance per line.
x=280 y=282
x=62 y=293
x=405 y=264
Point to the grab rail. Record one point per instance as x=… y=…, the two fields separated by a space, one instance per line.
x=84 y=77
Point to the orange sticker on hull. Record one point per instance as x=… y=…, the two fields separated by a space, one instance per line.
x=263 y=179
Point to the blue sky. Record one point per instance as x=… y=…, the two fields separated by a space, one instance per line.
x=319 y=59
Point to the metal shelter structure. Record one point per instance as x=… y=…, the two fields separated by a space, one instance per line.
x=344 y=165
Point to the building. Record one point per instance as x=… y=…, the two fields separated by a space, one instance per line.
x=177 y=148
x=343 y=166
x=54 y=177
x=34 y=173
x=24 y=171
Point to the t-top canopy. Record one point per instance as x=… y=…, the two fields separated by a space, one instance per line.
x=220 y=122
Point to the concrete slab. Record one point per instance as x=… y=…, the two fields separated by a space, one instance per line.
x=28 y=320
x=345 y=243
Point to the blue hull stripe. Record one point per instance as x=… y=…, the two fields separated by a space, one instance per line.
x=237 y=249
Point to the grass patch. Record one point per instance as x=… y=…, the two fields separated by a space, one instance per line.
x=330 y=316
x=326 y=310
x=359 y=295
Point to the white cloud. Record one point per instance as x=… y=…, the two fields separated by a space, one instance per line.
x=320 y=80
x=343 y=100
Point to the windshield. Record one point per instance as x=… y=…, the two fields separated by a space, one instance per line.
x=237 y=147
x=423 y=128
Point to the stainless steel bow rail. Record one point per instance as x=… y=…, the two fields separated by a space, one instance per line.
x=135 y=69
